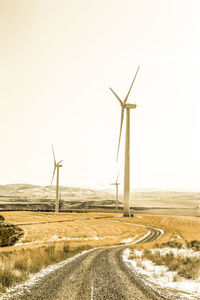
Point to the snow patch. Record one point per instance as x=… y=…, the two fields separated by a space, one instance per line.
x=129 y=240
x=182 y=251
x=56 y=238
x=154 y=275
x=19 y=243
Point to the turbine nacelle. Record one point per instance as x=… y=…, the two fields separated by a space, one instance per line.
x=129 y=106
x=58 y=165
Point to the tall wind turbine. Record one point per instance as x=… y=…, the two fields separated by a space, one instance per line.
x=116 y=199
x=56 y=167
x=127 y=106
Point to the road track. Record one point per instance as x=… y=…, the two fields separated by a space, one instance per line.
x=95 y=275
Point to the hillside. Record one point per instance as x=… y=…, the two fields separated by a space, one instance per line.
x=27 y=196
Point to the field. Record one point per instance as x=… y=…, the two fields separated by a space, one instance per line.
x=176 y=228
x=47 y=228
x=95 y=228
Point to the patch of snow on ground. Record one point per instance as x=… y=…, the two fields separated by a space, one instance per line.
x=55 y=238
x=159 y=275
x=129 y=240
x=183 y=252
x=177 y=237
x=19 y=243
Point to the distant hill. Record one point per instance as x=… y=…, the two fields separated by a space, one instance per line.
x=75 y=197
x=33 y=192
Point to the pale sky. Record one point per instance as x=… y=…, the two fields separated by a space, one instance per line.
x=58 y=59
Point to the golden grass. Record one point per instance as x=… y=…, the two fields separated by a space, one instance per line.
x=45 y=228
x=174 y=227
x=41 y=227
x=17 y=265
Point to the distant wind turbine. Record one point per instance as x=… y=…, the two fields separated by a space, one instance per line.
x=56 y=166
x=116 y=185
x=127 y=106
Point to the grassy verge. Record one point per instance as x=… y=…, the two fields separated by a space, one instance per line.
x=184 y=264
x=16 y=266
x=186 y=267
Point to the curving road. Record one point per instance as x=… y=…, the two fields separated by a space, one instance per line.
x=95 y=275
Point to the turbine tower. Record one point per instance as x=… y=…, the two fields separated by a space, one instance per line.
x=56 y=166
x=116 y=185
x=128 y=107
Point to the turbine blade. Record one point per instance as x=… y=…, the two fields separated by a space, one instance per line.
x=120 y=101
x=53 y=155
x=59 y=162
x=53 y=174
x=117 y=178
x=131 y=86
x=122 y=119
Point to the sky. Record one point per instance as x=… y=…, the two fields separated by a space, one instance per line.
x=58 y=59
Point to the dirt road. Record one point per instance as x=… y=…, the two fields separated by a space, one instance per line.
x=96 y=275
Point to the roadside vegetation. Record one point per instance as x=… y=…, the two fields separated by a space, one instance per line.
x=185 y=266
x=16 y=266
x=180 y=258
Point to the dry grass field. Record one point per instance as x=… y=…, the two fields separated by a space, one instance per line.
x=46 y=228
x=176 y=228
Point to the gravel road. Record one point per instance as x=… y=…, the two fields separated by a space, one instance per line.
x=96 y=275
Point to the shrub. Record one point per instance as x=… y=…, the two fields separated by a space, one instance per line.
x=65 y=248
x=9 y=234
x=170 y=244
x=195 y=245
x=1 y=218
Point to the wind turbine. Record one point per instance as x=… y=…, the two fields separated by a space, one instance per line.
x=116 y=185
x=56 y=166
x=128 y=107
